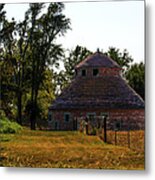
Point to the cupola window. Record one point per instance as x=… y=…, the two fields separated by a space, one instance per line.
x=83 y=72
x=95 y=72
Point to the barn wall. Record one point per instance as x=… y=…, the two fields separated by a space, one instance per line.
x=129 y=119
x=133 y=119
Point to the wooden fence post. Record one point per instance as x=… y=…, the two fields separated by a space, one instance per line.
x=105 y=129
x=86 y=126
x=128 y=138
x=115 y=137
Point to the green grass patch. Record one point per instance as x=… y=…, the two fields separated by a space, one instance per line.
x=7 y=126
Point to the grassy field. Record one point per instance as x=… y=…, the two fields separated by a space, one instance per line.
x=66 y=150
x=132 y=139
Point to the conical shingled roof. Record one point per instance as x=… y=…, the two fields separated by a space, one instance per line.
x=98 y=59
x=103 y=92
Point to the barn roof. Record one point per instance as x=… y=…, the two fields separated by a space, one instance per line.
x=103 y=92
x=98 y=59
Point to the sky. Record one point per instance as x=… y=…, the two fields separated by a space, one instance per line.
x=100 y=25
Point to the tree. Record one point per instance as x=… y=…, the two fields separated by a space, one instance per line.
x=136 y=78
x=122 y=58
x=28 y=48
x=46 y=29
x=45 y=96
x=7 y=43
x=14 y=43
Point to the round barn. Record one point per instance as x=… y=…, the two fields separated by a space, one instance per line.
x=97 y=90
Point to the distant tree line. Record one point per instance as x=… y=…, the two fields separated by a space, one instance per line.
x=30 y=74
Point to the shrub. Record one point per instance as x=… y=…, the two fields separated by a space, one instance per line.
x=2 y=114
x=7 y=126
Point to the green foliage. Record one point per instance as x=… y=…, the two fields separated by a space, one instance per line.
x=29 y=49
x=45 y=28
x=9 y=127
x=122 y=58
x=136 y=78
x=2 y=114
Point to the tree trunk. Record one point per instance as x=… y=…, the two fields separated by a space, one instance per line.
x=33 y=111
x=33 y=118
x=19 y=105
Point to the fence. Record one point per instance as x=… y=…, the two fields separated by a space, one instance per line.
x=133 y=139
x=121 y=134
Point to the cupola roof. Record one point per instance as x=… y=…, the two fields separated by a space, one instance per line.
x=98 y=59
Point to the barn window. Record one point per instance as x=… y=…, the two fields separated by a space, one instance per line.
x=83 y=72
x=56 y=125
x=91 y=116
x=95 y=72
x=117 y=125
x=67 y=117
x=50 y=117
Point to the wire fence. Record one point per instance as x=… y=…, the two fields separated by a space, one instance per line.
x=120 y=133
x=133 y=139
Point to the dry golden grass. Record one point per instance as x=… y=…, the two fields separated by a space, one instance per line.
x=132 y=139
x=66 y=150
